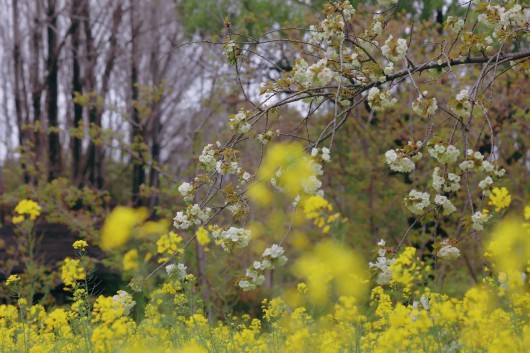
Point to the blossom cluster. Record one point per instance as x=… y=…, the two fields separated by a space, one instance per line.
x=271 y=257
x=382 y=264
x=207 y=159
x=502 y=19
x=239 y=122
x=402 y=160
x=330 y=31
x=395 y=50
x=265 y=138
x=177 y=270
x=442 y=184
x=324 y=154
x=232 y=51
x=479 y=219
x=225 y=167
x=444 y=154
x=192 y=215
x=380 y=100
x=124 y=300
x=448 y=251
x=376 y=28
x=231 y=238
x=318 y=74
x=462 y=105
x=448 y=182
x=475 y=162
x=454 y=23
x=446 y=204
x=186 y=190
x=424 y=106
x=417 y=202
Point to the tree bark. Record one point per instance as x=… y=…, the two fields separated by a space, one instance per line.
x=76 y=88
x=96 y=155
x=155 y=126
x=17 y=61
x=54 y=143
x=136 y=124
x=36 y=92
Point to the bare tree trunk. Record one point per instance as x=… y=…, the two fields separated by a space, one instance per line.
x=36 y=91
x=54 y=144
x=96 y=154
x=154 y=175
x=2 y=207
x=90 y=80
x=201 y=254
x=77 y=87
x=136 y=124
x=17 y=60
x=155 y=126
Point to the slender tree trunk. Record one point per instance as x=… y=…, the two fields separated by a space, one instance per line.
x=36 y=91
x=2 y=206
x=155 y=127
x=201 y=254
x=137 y=131
x=17 y=60
x=90 y=80
x=154 y=175
x=54 y=143
x=96 y=154
x=76 y=88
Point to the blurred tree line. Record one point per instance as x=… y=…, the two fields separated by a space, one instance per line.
x=96 y=91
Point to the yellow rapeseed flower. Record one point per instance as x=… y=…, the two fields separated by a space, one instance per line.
x=403 y=269
x=500 y=198
x=119 y=225
x=57 y=321
x=80 y=245
x=153 y=228
x=18 y=219
x=26 y=207
x=130 y=260
x=72 y=271
x=203 y=236
x=289 y=165
x=331 y=263
x=191 y=348
x=168 y=244
x=316 y=208
x=509 y=248
x=13 y=280
x=314 y=204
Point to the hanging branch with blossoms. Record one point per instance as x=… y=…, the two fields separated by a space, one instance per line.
x=338 y=68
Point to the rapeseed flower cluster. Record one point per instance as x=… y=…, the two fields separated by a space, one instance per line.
x=72 y=271
x=317 y=209
x=119 y=225
x=500 y=198
x=26 y=208
x=335 y=307
x=167 y=245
